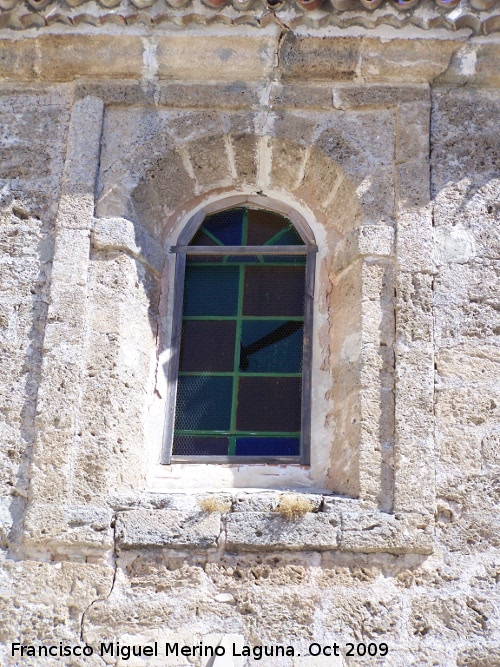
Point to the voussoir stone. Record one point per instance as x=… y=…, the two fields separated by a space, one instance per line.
x=264 y=531
x=157 y=528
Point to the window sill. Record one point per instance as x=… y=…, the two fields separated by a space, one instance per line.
x=250 y=522
x=239 y=460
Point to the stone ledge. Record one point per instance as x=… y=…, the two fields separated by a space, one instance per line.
x=338 y=524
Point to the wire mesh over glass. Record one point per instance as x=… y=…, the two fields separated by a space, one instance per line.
x=240 y=369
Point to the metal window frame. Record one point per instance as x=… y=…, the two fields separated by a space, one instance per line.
x=181 y=250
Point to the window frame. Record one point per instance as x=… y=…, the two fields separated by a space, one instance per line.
x=180 y=252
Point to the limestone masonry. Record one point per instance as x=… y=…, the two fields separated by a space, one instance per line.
x=377 y=123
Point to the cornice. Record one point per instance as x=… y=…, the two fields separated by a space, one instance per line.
x=480 y=17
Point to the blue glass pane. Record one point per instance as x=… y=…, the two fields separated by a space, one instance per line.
x=211 y=290
x=226 y=226
x=203 y=403
x=271 y=346
x=267 y=446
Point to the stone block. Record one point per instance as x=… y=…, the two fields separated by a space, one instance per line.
x=245 y=154
x=287 y=164
x=18 y=59
x=98 y=56
x=138 y=529
x=301 y=96
x=210 y=162
x=473 y=65
x=390 y=60
x=220 y=58
x=369 y=95
x=412 y=185
x=414 y=241
x=231 y=95
x=412 y=138
x=82 y=153
x=163 y=187
x=328 y=58
x=369 y=532
x=63 y=528
x=43 y=602
x=414 y=303
x=469 y=363
x=257 y=531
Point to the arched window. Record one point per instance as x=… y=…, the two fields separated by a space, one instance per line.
x=240 y=368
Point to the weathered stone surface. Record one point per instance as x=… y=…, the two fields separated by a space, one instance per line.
x=334 y=59
x=123 y=235
x=84 y=57
x=68 y=529
x=153 y=528
x=376 y=531
x=389 y=61
x=220 y=58
x=255 y=531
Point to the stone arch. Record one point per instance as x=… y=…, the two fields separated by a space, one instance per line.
x=152 y=185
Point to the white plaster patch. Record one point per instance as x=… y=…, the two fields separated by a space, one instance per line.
x=468 y=59
x=351 y=347
x=453 y=245
x=149 y=59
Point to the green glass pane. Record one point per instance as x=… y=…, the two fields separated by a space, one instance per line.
x=203 y=403
x=211 y=290
x=290 y=237
x=271 y=346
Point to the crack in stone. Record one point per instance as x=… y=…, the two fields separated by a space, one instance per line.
x=114 y=557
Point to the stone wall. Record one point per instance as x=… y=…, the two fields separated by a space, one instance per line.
x=388 y=148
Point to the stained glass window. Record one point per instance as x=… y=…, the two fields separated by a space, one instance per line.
x=240 y=380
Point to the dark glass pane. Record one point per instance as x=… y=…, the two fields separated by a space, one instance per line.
x=226 y=226
x=299 y=260
x=192 y=445
x=271 y=346
x=267 y=446
x=263 y=225
x=211 y=290
x=207 y=345
x=268 y=404
x=203 y=403
x=290 y=237
x=274 y=290
x=204 y=259
x=202 y=239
